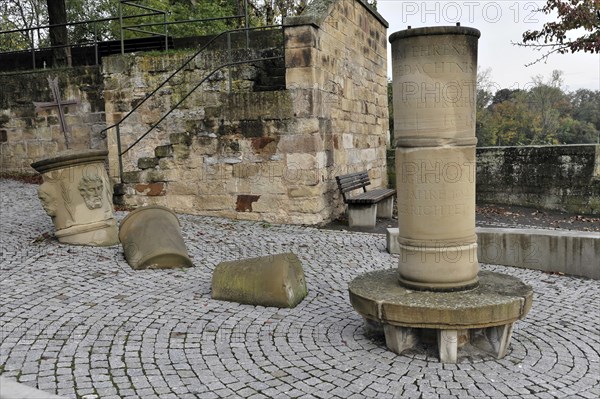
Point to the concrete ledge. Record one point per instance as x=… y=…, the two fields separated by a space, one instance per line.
x=10 y=389
x=575 y=253
x=571 y=252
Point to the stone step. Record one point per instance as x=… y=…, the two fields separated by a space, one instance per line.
x=163 y=151
x=180 y=138
x=270 y=87
x=131 y=177
x=280 y=80
x=147 y=163
x=144 y=176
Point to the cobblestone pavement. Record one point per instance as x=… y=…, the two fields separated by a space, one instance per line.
x=79 y=322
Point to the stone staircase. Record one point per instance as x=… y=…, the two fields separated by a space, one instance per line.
x=152 y=175
x=271 y=74
x=166 y=172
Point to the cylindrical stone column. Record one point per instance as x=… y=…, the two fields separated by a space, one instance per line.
x=77 y=195
x=434 y=75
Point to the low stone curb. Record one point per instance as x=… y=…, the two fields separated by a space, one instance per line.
x=575 y=253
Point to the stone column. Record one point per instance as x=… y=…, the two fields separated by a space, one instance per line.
x=77 y=195
x=434 y=75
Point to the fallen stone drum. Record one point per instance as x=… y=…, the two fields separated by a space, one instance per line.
x=273 y=280
x=151 y=239
x=77 y=195
x=434 y=75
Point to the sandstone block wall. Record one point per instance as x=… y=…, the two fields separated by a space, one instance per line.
x=336 y=69
x=258 y=141
x=252 y=153
x=28 y=134
x=565 y=178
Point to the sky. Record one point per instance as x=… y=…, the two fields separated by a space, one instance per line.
x=500 y=22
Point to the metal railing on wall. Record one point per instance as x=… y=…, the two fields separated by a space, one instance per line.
x=141 y=24
x=227 y=64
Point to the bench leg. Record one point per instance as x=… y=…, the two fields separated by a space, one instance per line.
x=385 y=208
x=362 y=215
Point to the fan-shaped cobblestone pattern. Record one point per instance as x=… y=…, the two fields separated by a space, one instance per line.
x=80 y=322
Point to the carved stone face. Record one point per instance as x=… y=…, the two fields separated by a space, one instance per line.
x=47 y=199
x=90 y=188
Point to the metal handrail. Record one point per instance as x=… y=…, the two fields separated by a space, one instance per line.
x=30 y=31
x=227 y=64
x=161 y=85
x=77 y=23
x=136 y=28
x=190 y=59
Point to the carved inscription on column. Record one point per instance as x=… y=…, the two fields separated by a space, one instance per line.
x=434 y=87
x=436 y=192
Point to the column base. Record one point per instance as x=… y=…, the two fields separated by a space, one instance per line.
x=482 y=317
x=102 y=233
x=494 y=341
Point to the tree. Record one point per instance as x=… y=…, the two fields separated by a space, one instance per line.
x=59 y=35
x=586 y=106
x=573 y=131
x=270 y=12
x=511 y=122
x=484 y=86
x=575 y=17
x=83 y=10
x=548 y=103
x=21 y=14
x=505 y=95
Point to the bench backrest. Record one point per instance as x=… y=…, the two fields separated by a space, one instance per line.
x=352 y=182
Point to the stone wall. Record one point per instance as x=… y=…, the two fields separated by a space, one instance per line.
x=28 y=134
x=260 y=141
x=261 y=154
x=565 y=178
x=336 y=68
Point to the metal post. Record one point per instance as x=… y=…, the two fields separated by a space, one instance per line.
x=166 y=31
x=119 y=152
x=96 y=41
x=229 y=59
x=33 y=49
x=247 y=23
x=121 y=28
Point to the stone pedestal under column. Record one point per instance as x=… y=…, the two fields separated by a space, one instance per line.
x=77 y=195
x=482 y=317
x=438 y=294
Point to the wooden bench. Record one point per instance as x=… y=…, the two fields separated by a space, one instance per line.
x=364 y=208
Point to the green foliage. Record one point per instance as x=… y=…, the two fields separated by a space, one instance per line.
x=576 y=29
x=544 y=114
x=183 y=12
x=572 y=131
x=270 y=12
x=586 y=106
x=23 y=14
